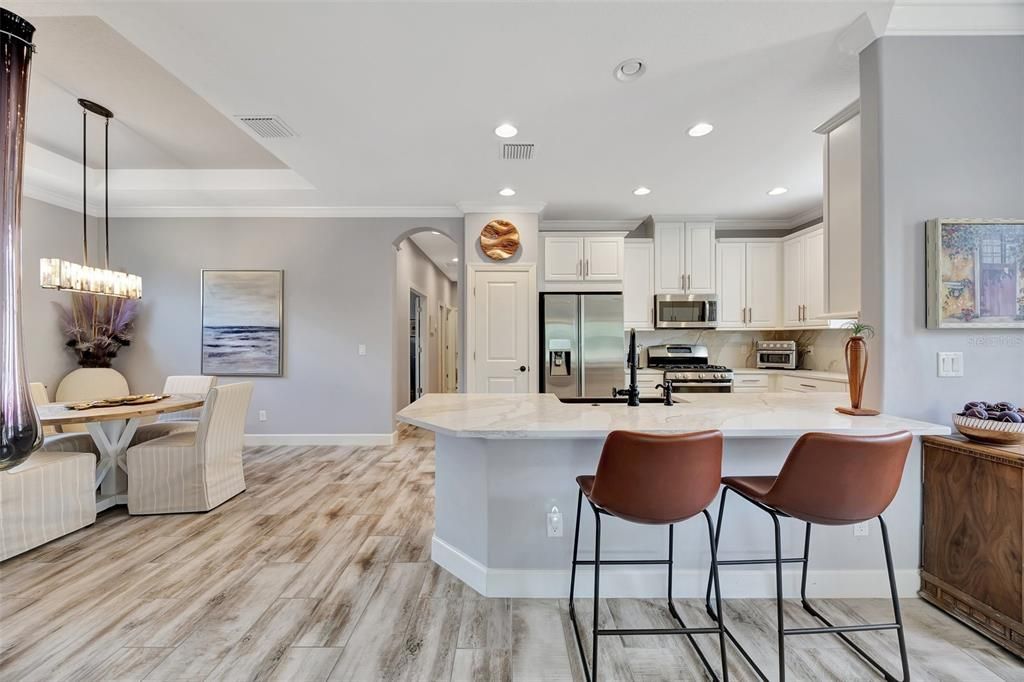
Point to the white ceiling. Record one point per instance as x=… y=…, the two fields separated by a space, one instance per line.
x=440 y=249
x=158 y=121
x=395 y=103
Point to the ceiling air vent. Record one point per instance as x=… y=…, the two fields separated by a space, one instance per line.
x=267 y=126
x=517 y=151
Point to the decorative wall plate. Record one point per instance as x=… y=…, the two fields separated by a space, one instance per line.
x=499 y=240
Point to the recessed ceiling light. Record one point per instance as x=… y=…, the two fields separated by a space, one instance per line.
x=455 y=260
x=507 y=192
x=700 y=130
x=776 y=191
x=629 y=69
x=642 y=191
x=506 y=130
x=434 y=232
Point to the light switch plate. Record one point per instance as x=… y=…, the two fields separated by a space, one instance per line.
x=950 y=364
x=362 y=349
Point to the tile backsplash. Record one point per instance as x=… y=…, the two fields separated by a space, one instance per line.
x=735 y=349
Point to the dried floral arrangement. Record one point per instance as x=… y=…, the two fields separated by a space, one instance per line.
x=97 y=327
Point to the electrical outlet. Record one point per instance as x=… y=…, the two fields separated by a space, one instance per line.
x=950 y=364
x=362 y=349
x=554 y=523
x=263 y=415
x=861 y=529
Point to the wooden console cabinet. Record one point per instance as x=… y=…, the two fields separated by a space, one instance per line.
x=972 y=535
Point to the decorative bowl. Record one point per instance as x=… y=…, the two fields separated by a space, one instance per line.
x=989 y=430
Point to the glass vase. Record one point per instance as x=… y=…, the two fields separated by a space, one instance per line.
x=20 y=431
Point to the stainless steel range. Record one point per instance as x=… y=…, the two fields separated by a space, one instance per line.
x=686 y=368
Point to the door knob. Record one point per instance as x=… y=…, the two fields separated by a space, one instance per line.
x=522 y=368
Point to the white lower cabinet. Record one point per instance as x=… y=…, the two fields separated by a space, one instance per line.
x=797 y=384
x=646 y=381
x=748 y=284
x=753 y=383
x=638 y=284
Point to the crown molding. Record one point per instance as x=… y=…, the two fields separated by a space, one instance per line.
x=488 y=207
x=814 y=213
x=591 y=225
x=845 y=114
x=938 y=18
x=285 y=212
x=728 y=224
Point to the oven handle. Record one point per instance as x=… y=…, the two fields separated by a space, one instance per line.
x=700 y=383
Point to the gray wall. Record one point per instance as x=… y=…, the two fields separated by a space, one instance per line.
x=339 y=280
x=943 y=136
x=48 y=232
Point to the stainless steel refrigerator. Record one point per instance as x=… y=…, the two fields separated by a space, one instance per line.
x=582 y=344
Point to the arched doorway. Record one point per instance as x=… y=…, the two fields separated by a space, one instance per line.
x=427 y=346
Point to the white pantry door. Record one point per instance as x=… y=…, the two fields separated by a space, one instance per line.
x=501 y=334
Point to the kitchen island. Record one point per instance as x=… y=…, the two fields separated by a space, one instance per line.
x=503 y=462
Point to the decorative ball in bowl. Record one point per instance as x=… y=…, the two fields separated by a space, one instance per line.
x=996 y=423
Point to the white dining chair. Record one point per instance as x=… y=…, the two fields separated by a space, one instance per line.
x=54 y=440
x=48 y=495
x=90 y=384
x=175 y=422
x=192 y=471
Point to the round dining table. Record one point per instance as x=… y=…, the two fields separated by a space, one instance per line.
x=112 y=429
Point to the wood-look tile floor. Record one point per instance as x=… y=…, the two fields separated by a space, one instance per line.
x=322 y=570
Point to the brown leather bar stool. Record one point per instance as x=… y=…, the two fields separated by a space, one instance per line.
x=831 y=480
x=655 y=480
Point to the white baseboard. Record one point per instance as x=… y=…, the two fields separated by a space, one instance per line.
x=621 y=581
x=320 y=438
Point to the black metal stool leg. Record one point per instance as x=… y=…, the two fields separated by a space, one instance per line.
x=803 y=574
x=670 y=554
x=714 y=544
x=779 y=597
x=597 y=591
x=895 y=601
x=575 y=550
x=718 y=596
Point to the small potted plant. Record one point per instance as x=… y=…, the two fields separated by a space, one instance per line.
x=856 y=353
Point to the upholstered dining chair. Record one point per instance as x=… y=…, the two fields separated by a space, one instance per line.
x=89 y=384
x=174 y=422
x=54 y=440
x=192 y=471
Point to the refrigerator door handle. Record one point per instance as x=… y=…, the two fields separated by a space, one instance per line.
x=581 y=384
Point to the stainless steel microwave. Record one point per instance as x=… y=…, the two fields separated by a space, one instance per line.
x=685 y=311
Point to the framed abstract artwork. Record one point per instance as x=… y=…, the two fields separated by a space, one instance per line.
x=242 y=322
x=975 y=272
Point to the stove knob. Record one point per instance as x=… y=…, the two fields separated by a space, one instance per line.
x=702 y=375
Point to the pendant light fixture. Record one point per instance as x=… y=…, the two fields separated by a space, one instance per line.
x=55 y=273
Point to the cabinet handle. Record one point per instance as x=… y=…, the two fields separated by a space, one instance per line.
x=808 y=385
x=586 y=268
x=689 y=282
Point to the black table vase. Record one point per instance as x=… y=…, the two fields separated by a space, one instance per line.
x=20 y=432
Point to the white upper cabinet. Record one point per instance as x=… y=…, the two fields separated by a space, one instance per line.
x=762 y=280
x=793 y=282
x=700 y=258
x=563 y=259
x=685 y=257
x=814 y=273
x=732 y=284
x=638 y=284
x=842 y=220
x=803 y=282
x=668 y=253
x=602 y=258
x=748 y=284
x=583 y=258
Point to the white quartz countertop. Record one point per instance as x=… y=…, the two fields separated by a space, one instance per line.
x=737 y=415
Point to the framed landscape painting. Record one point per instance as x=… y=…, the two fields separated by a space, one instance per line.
x=975 y=273
x=242 y=317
